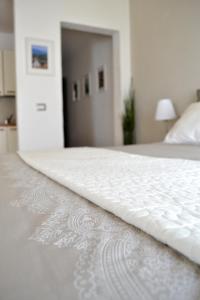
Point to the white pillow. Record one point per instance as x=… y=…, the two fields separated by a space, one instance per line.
x=187 y=128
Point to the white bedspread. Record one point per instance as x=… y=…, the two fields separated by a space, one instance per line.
x=158 y=195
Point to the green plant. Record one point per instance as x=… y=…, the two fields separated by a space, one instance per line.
x=129 y=120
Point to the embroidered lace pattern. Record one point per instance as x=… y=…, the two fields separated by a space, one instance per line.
x=116 y=260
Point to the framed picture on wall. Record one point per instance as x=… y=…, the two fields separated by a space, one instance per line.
x=101 y=79
x=76 y=91
x=40 y=56
x=87 y=85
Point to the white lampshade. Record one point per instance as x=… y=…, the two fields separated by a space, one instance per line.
x=165 y=110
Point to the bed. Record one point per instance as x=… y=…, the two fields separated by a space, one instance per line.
x=56 y=244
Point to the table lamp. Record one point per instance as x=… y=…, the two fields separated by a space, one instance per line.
x=165 y=111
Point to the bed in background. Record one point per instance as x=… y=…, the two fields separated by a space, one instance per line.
x=57 y=245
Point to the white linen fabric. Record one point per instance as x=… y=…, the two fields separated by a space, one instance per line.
x=68 y=248
x=187 y=128
x=158 y=195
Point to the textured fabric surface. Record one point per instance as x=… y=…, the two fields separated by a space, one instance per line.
x=55 y=245
x=158 y=195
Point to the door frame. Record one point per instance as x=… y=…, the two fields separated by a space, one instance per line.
x=117 y=95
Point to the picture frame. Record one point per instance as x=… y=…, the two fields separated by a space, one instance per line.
x=40 y=56
x=87 y=85
x=76 y=91
x=101 y=78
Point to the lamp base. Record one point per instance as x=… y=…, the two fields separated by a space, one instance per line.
x=167 y=126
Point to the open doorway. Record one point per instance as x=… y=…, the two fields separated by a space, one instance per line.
x=88 y=88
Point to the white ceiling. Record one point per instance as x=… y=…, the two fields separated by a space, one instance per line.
x=6 y=16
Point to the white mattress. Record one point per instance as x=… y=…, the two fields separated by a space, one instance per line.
x=161 y=196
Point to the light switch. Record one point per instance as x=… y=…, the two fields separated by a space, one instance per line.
x=41 y=106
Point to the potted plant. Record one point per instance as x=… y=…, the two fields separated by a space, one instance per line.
x=129 y=120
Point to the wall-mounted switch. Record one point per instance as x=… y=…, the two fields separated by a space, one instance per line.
x=41 y=106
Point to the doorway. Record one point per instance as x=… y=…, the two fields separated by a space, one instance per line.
x=88 y=88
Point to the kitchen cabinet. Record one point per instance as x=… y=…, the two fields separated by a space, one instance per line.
x=3 y=140
x=9 y=72
x=12 y=139
x=8 y=139
x=1 y=74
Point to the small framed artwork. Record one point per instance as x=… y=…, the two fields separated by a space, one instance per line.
x=76 y=91
x=40 y=57
x=101 y=79
x=87 y=85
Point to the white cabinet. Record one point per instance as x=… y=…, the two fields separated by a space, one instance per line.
x=3 y=140
x=12 y=139
x=9 y=72
x=1 y=74
x=8 y=139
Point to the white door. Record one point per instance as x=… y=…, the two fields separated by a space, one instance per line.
x=12 y=139
x=9 y=72
x=1 y=73
x=3 y=140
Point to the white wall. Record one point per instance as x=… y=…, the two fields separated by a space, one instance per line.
x=90 y=120
x=7 y=104
x=41 y=19
x=166 y=52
